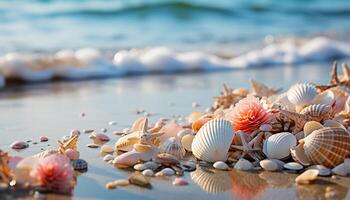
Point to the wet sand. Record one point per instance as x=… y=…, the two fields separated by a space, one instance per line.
x=53 y=109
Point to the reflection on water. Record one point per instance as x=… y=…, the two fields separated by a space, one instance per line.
x=323 y=190
x=276 y=179
x=247 y=185
x=211 y=181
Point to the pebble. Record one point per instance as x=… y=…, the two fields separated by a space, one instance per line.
x=307 y=177
x=243 y=165
x=186 y=142
x=220 y=165
x=99 y=136
x=43 y=139
x=72 y=154
x=117 y=183
x=140 y=167
x=112 y=123
x=82 y=114
x=189 y=165
x=74 y=132
x=323 y=171
x=88 y=130
x=139 y=179
x=39 y=195
x=180 y=182
x=104 y=130
x=19 y=145
x=293 y=166
x=269 y=165
x=341 y=170
x=65 y=137
x=108 y=158
x=147 y=172
x=107 y=149
x=94 y=146
x=118 y=133
x=151 y=165
x=166 y=172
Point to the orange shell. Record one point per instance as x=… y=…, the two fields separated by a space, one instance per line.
x=196 y=125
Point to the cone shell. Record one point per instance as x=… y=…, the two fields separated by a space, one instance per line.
x=327 y=146
x=213 y=141
x=318 y=112
x=172 y=146
x=278 y=145
x=302 y=94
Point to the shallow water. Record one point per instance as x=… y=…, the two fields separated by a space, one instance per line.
x=53 y=109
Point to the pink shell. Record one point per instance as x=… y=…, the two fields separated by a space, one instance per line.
x=44 y=139
x=19 y=145
x=72 y=154
x=180 y=182
x=102 y=137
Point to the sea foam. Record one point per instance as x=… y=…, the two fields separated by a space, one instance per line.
x=90 y=63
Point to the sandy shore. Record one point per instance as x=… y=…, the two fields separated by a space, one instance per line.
x=54 y=109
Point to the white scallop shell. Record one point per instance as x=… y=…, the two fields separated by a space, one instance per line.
x=213 y=141
x=327 y=97
x=278 y=145
x=172 y=146
x=211 y=182
x=302 y=94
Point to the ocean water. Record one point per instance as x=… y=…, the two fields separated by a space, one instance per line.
x=43 y=40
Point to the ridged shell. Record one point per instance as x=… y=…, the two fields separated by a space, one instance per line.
x=213 y=141
x=327 y=97
x=302 y=94
x=327 y=146
x=79 y=164
x=172 y=146
x=278 y=145
x=212 y=182
x=318 y=112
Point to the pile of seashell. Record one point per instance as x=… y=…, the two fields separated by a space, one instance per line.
x=304 y=129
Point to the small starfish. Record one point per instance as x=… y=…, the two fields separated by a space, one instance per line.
x=337 y=80
x=5 y=171
x=226 y=99
x=70 y=144
x=146 y=137
x=262 y=90
x=250 y=148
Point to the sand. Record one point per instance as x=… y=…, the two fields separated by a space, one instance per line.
x=54 y=109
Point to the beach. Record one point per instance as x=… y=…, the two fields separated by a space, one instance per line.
x=54 y=109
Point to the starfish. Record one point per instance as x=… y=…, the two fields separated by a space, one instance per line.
x=69 y=144
x=262 y=90
x=145 y=137
x=337 y=80
x=226 y=99
x=251 y=148
x=5 y=171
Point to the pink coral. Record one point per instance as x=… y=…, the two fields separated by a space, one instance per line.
x=248 y=114
x=54 y=173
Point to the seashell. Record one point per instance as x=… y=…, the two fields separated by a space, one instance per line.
x=196 y=125
x=72 y=154
x=180 y=182
x=108 y=158
x=243 y=165
x=317 y=112
x=269 y=165
x=302 y=94
x=101 y=137
x=140 y=167
x=327 y=97
x=148 y=172
x=307 y=177
x=183 y=132
x=327 y=146
x=173 y=147
x=186 y=142
x=45 y=153
x=117 y=183
x=79 y=164
x=44 y=139
x=166 y=172
x=213 y=141
x=107 y=149
x=299 y=135
x=142 y=148
x=311 y=126
x=293 y=166
x=211 y=182
x=220 y=165
x=278 y=145
x=194 y=116
x=19 y=145
x=341 y=170
x=278 y=162
x=188 y=166
x=139 y=179
x=323 y=171
x=298 y=154
x=166 y=159
x=333 y=124
x=265 y=127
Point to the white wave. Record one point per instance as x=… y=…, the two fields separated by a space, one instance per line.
x=90 y=63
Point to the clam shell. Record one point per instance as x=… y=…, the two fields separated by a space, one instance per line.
x=327 y=146
x=79 y=164
x=220 y=165
x=302 y=94
x=333 y=124
x=327 y=97
x=172 y=146
x=311 y=126
x=318 y=112
x=293 y=166
x=213 y=141
x=307 y=177
x=278 y=145
x=186 y=142
x=211 y=182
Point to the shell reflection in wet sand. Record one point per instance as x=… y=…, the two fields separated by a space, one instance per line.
x=326 y=190
x=211 y=181
x=280 y=180
x=247 y=185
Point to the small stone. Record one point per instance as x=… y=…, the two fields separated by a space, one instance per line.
x=107 y=149
x=183 y=132
x=35 y=143
x=189 y=165
x=104 y=130
x=102 y=137
x=243 y=165
x=82 y=114
x=140 y=167
x=323 y=171
x=334 y=177
x=180 y=182
x=112 y=123
x=108 y=158
x=147 y=172
x=265 y=127
x=111 y=185
x=44 y=139
x=341 y=170
x=293 y=166
x=307 y=177
x=139 y=179
x=74 y=132
x=220 y=165
x=19 y=145
x=94 y=146
x=117 y=183
x=38 y=195
x=151 y=165
x=72 y=154
x=88 y=130
x=195 y=104
x=118 y=133
x=269 y=165
x=166 y=172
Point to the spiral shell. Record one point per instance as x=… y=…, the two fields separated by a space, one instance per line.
x=213 y=141
x=172 y=146
x=318 y=112
x=278 y=145
x=327 y=146
x=302 y=94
